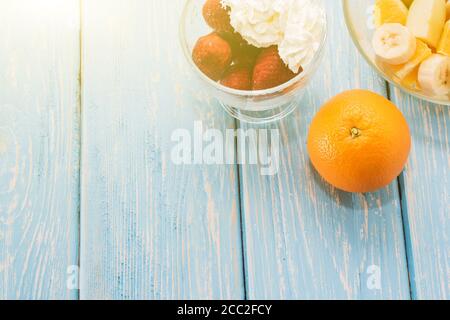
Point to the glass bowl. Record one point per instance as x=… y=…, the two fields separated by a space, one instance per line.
x=259 y=106
x=359 y=16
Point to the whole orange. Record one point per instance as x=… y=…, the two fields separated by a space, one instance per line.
x=359 y=141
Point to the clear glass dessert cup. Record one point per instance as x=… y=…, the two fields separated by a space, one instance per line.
x=258 y=106
x=359 y=16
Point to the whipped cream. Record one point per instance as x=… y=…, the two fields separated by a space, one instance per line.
x=260 y=22
x=303 y=34
x=295 y=26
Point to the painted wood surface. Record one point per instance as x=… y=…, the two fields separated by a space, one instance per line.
x=39 y=147
x=150 y=229
x=304 y=239
x=426 y=197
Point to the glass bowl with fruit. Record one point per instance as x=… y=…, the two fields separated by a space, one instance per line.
x=255 y=58
x=407 y=42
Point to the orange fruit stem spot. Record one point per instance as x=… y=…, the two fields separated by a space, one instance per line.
x=355 y=133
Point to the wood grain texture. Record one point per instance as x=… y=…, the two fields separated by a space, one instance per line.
x=155 y=230
x=150 y=229
x=426 y=199
x=39 y=147
x=304 y=239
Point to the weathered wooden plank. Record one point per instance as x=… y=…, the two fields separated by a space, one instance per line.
x=39 y=148
x=150 y=229
x=426 y=195
x=304 y=239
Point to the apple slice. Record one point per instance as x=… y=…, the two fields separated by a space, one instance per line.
x=426 y=20
x=444 y=44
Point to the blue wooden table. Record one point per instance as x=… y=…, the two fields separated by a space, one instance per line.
x=92 y=207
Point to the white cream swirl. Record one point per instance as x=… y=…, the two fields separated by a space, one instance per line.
x=260 y=22
x=303 y=34
x=295 y=26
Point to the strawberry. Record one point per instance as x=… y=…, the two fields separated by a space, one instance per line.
x=270 y=71
x=217 y=16
x=238 y=77
x=212 y=55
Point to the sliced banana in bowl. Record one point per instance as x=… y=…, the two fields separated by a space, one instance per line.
x=434 y=75
x=394 y=43
x=399 y=37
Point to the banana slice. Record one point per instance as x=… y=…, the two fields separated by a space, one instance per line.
x=394 y=44
x=434 y=75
